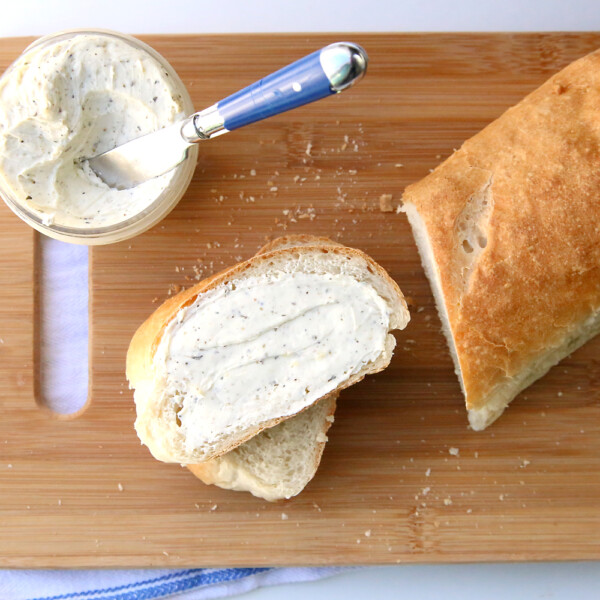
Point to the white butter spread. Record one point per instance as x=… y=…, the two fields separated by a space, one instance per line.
x=73 y=99
x=266 y=347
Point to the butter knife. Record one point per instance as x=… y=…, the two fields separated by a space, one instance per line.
x=328 y=71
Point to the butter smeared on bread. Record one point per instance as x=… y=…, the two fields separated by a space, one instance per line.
x=508 y=233
x=232 y=387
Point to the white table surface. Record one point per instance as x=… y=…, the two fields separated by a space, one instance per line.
x=37 y=17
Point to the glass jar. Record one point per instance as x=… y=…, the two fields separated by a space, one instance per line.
x=156 y=209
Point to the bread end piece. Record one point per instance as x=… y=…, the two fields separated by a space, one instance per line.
x=507 y=232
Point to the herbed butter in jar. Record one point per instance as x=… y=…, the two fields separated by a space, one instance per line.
x=74 y=95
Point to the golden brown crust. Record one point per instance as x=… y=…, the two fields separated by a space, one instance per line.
x=538 y=277
x=299 y=239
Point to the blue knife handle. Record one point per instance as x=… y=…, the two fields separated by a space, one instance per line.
x=323 y=73
x=301 y=82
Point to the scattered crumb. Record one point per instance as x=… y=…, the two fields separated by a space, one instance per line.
x=454 y=451
x=59 y=502
x=525 y=463
x=253 y=172
x=559 y=394
x=447 y=501
x=284 y=517
x=428 y=473
x=501 y=497
x=9 y=466
x=120 y=487
x=425 y=491
x=174 y=288
x=273 y=188
x=308 y=148
x=165 y=553
x=368 y=533
x=358 y=541
x=385 y=203
x=469 y=511
x=214 y=507
x=398 y=165
x=197 y=506
x=317 y=506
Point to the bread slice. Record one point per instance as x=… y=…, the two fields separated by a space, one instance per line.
x=508 y=233
x=279 y=462
x=225 y=423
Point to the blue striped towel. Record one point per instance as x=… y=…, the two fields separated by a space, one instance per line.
x=142 y=584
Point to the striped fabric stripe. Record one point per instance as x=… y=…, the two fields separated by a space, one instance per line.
x=159 y=587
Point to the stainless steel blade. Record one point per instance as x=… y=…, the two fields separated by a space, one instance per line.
x=141 y=159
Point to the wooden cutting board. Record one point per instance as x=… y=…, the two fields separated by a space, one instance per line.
x=83 y=492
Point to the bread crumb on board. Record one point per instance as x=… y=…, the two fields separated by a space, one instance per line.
x=120 y=487
x=284 y=517
x=385 y=203
x=454 y=451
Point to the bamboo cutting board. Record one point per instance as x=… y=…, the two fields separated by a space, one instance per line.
x=83 y=492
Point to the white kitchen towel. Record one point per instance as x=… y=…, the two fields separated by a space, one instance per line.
x=147 y=584
x=64 y=300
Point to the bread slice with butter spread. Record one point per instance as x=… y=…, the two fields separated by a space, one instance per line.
x=257 y=344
